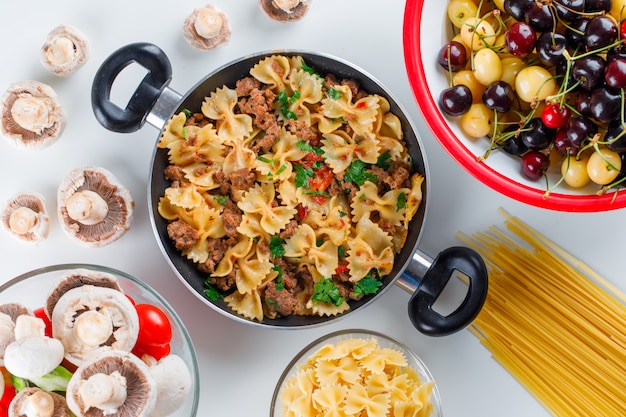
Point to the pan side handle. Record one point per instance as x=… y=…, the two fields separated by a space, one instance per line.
x=434 y=278
x=133 y=117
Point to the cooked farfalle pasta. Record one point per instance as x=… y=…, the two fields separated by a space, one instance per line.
x=293 y=192
x=356 y=377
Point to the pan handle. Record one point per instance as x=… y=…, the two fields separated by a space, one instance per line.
x=435 y=277
x=133 y=117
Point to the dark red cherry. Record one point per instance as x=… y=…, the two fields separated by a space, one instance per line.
x=499 y=96
x=455 y=100
x=517 y=8
x=616 y=136
x=579 y=130
x=520 y=39
x=452 y=56
x=541 y=17
x=597 y=6
x=615 y=73
x=562 y=144
x=605 y=104
x=534 y=165
x=555 y=115
x=536 y=135
x=568 y=10
x=589 y=71
x=601 y=31
x=550 y=47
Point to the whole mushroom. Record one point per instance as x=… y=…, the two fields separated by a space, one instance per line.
x=8 y=316
x=173 y=382
x=112 y=383
x=32 y=116
x=65 y=50
x=25 y=217
x=94 y=208
x=206 y=28
x=34 y=402
x=285 y=10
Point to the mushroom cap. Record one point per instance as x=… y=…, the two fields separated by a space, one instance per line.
x=274 y=10
x=65 y=50
x=32 y=357
x=19 y=404
x=141 y=391
x=173 y=381
x=198 y=41
x=89 y=320
x=8 y=316
x=117 y=197
x=77 y=278
x=32 y=116
x=25 y=217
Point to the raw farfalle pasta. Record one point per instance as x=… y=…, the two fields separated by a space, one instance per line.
x=292 y=191
x=356 y=377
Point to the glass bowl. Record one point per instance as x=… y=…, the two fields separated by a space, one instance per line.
x=335 y=369
x=426 y=28
x=32 y=288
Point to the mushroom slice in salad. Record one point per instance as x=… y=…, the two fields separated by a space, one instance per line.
x=25 y=217
x=37 y=402
x=32 y=116
x=8 y=316
x=113 y=383
x=89 y=320
x=285 y=10
x=77 y=278
x=94 y=208
x=206 y=28
x=66 y=49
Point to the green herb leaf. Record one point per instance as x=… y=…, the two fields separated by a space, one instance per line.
x=295 y=97
x=369 y=284
x=318 y=193
x=341 y=252
x=383 y=160
x=212 y=293
x=282 y=169
x=303 y=175
x=401 y=202
x=325 y=291
x=342 y=213
x=280 y=285
x=221 y=199
x=264 y=159
x=276 y=246
x=188 y=113
x=304 y=146
x=357 y=173
x=334 y=93
x=272 y=303
x=185 y=134
x=308 y=69
x=282 y=97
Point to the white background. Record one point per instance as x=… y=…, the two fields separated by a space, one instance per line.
x=240 y=363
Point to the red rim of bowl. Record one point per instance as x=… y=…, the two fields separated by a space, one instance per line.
x=447 y=138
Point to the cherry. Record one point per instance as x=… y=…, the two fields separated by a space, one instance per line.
x=615 y=136
x=456 y=100
x=534 y=165
x=605 y=104
x=589 y=71
x=568 y=10
x=601 y=31
x=499 y=96
x=520 y=39
x=562 y=143
x=582 y=103
x=540 y=17
x=550 y=46
x=575 y=31
x=597 y=6
x=517 y=8
x=615 y=73
x=555 y=115
x=452 y=56
x=578 y=129
x=513 y=144
x=536 y=135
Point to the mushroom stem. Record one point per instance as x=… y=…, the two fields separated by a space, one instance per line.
x=87 y=207
x=32 y=113
x=39 y=404
x=93 y=328
x=61 y=51
x=208 y=23
x=286 y=5
x=103 y=391
x=23 y=220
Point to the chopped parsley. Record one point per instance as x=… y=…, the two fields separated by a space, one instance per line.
x=276 y=246
x=318 y=194
x=284 y=100
x=369 y=284
x=357 y=173
x=187 y=113
x=306 y=147
x=303 y=175
x=342 y=213
x=308 y=69
x=272 y=303
x=185 y=134
x=383 y=160
x=401 y=202
x=280 y=284
x=212 y=293
x=341 y=252
x=334 y=93
x=282 y=169
x=264 y=159
x=325 y=291
x=221 y=199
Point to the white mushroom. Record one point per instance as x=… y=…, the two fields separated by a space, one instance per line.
x=173 y=381
x=34 y=402
x=116 y=383
x=206 y=28
x=89 y=320
x=9 y=313
x=33 y=357
x=32 y=116
x=29 y=326
x=25 y=217
x=65 y=50
x=94 y=208
x=285 y=10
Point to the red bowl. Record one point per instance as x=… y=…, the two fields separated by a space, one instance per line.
x=426 y=29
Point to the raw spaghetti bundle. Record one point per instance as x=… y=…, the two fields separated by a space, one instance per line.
x=554 y=324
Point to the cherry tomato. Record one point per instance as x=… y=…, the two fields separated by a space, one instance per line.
x=131 y=299
x=555 y=115
x=8 y=394
x=622 y=30
x=309 y=159
x=156 y=351
x=41 y=313
x=154 y=326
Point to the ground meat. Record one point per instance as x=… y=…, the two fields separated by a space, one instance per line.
x=231 y=217
x=304 y=132
x=183 y=235
x=281 y=301
x=225 y=283
x=175 y=174
x=242 y=179
x=354 y=86
x=290 y=229
x=259 y=105
x=399 y=177
x=245 y=85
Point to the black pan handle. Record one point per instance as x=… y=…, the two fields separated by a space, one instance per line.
x=133 y=117
x=449 y=261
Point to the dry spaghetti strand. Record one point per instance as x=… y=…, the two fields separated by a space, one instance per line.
x=552 y=322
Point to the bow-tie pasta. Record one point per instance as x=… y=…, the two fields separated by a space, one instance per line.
x=292 y=191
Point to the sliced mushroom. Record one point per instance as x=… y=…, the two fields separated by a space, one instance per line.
x=89 y=320
x=8 y=316
x=206 y=28
x=94 y=208
x=32 y=357
x=25 y=217
x=66 y=49
x=173 y=381
x=116 y=383
x=285 y=10
x=32 y=116
x=34 y=402
x=77 y=278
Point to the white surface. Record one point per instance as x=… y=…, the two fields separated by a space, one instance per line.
x=241 y=363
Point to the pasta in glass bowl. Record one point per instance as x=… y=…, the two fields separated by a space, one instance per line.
x=356 y=372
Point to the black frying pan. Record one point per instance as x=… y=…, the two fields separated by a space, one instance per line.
x=154 y=102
